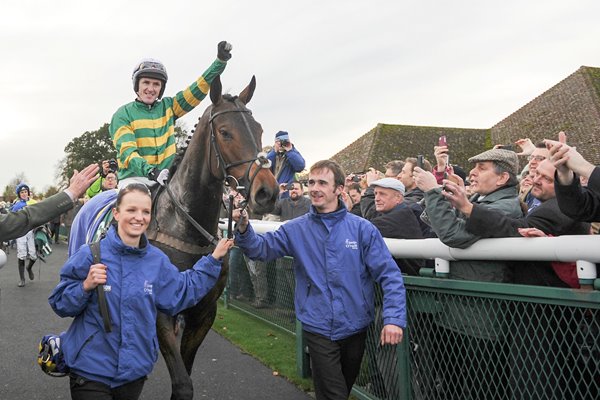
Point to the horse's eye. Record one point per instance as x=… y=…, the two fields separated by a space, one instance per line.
x=225 y=134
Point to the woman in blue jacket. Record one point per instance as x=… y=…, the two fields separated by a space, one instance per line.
x=138 y=280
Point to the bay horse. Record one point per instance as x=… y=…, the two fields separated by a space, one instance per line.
x=226 y=145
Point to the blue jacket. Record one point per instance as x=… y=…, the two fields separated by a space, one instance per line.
x=19 y=205
x=337 y=257
x=140 y=281
x=293 y=162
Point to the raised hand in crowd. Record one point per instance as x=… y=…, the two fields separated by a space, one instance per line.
x=441 y=157
x=566 y=159
x=372 y=175
x=526 y=145
x=80 y=181
x=346 y=199
x=425 y=180
x=456 y=194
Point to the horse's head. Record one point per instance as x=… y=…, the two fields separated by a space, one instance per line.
x=236 y=147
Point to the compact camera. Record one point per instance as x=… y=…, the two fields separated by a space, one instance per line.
x=112 y=166
x=284 y=143
x=290 y=186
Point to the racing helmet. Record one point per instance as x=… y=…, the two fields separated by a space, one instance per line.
x=22 y=186
x=149 y=68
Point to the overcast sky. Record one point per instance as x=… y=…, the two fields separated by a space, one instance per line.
x=327 y=71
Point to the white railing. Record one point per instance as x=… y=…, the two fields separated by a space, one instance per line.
x=583 y=249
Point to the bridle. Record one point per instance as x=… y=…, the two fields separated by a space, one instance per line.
x=261 y=157
x=261 y=160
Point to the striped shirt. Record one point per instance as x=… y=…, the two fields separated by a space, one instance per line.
x=144 y=134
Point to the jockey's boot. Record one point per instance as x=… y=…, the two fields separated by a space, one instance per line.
x=22 y=273
x=29 y=269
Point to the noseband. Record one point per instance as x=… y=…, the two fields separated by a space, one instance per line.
x=261 y=157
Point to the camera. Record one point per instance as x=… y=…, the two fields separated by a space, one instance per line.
x=112 y=166
x=420 y=161
x=284 y=143
x=507 y=147
x=290 y=186
x=356 y=178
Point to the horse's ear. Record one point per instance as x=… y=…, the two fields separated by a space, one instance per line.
x=215 y=90
x=247 y=93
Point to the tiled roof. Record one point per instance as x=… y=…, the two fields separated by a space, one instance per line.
x=572 y=105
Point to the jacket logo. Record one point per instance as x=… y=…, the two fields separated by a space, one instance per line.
x=107 y=288
x=147 y=287
x=351 y=244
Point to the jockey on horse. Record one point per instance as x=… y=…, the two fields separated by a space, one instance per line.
x=143 y=130
x=143 y=133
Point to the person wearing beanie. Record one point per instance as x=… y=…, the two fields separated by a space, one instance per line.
x=143 y=130
x=286 y=161
x=26 y=243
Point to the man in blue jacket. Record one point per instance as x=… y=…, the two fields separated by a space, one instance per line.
x=286 y=160
x=337 y=258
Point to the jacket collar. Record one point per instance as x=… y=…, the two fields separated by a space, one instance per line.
x=117 y=243
x=502 y=193
x=331 y=218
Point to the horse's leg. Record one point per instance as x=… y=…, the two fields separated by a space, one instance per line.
x=198 y=321
x=181 y=384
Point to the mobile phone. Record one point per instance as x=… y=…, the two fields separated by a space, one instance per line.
x=420 y=161
x=442 y=141
x=507 y=147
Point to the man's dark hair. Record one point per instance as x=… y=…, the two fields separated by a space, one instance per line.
x=339 y=178
x=354 y=186
x=413 y=161
x=395 y=165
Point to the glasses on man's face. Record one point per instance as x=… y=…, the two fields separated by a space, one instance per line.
x=536 y=158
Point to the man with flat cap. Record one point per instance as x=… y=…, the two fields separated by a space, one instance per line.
x=466 y=321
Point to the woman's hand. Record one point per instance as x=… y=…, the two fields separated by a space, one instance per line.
x=96 y=276
x=222 y=248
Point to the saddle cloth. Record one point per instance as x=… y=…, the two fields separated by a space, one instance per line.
x=92 y=220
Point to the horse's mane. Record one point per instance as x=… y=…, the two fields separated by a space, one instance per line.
x=181 y=152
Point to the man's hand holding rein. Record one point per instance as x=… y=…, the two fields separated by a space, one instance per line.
x=241 y=219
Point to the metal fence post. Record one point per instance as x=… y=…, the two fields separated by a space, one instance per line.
x=302 y=357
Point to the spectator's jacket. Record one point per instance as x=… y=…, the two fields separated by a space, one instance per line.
x=16 y=224
x=288 y=209
x=337 y=256
x=140 y=281
x=581 y=204
x=414 y=196
x=401 y=223
x=144 y=135
x=19 y=205
x=546 y=217
x=368 y=211
x=95 y=187
x=451 y=229
x=292 y=162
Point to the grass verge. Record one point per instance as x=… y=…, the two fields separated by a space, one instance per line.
x=271 y=346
